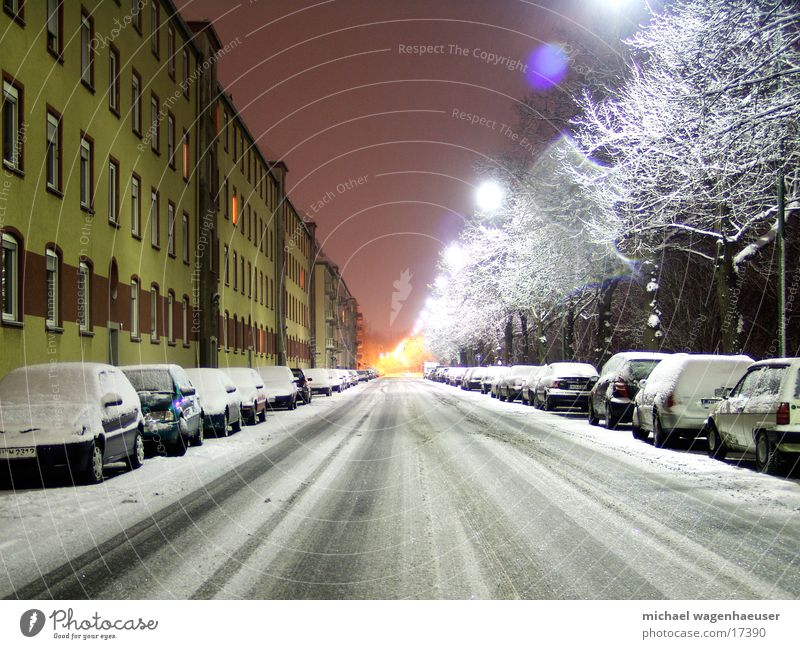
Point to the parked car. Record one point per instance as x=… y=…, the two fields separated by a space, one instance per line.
x=564 y=385
x=529 y=385
x=279 y=383
x=222 y=404
x=335 y=380
x=489 y=375
x=363 y=375
x=173 y=413
x=74 y=416
x=303 y=388
x=319 y=380
x=612 y=396
x=760 y=416
x=454 y=375
x=472 y=378
x=674 y=401
x=497 y=379
x=353 y=377
x=251 y=391
x=510 y=388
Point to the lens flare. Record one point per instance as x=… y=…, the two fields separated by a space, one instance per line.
x=547 y=66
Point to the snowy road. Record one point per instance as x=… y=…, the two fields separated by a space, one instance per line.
x=406 y=489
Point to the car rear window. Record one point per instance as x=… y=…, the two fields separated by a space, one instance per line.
x=150 y=380
x=638 y=370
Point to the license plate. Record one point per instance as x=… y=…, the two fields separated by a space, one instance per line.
x=577 y=386
x=707 y=403
x=15 y=453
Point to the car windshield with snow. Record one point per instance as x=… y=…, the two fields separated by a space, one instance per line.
x=220 y=398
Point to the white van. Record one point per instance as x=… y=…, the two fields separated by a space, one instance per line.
x=676 y=398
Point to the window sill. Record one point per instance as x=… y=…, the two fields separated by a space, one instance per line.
x=58 y=56
x=14 y=324
x=155 y=246
x=15 y=17
x=88 y=209
x=114 y=111
x=186 y=345
x=114 y=224
x=186 y=262
x=137 y=132
x=87 y=85
x=17 y=171
x=53 y=329
x=171 y=343
x=172 y=255
x=54 y=191
x=87 y=334
x=136 y=339
x=155 y=341
x=136 y=236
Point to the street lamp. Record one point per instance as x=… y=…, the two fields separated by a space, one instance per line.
x=489 y=196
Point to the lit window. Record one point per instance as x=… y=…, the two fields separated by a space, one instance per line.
x=11 y=278
x=235 y=207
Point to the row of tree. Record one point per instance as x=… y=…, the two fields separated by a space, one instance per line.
x=652 y=221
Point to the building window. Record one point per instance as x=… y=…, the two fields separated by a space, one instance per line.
x=170 y=317
x=15 y=9
x=53 y=150
x=55 y=27
x=155 y=225
x=113 y=191
x=52 y=270
x=171 y=140
x=226 y=198
x=136 y=14
x=170 y=229
x=136 y=207
x=87 y=172
x=185 y=320
x=171 y=52
x=185 y=237
x=185 y=66
x=227 y=265
x=154 y=300
x=249 y=279
x=87 y=49
x=225 y=327
x=226 y=120
x=135 y=308
x=155 y=27
x=84 y=296
x=241 y=260
x=113 y=79
x=235 y=208
x=13 y=130
x=136 y=103
x=11 y=278
x=185 y=154
x=155 y=123
x=235 y=271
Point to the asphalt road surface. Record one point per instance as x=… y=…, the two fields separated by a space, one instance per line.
x=416 y=490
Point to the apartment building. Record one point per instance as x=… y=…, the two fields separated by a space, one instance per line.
x=336 y=318
x=139 y=220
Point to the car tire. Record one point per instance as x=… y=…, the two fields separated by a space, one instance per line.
x=661 y=438
x=768 y=457
x=93 y=471
x=178 y=447
x=237 y=425
x=591 y=416
x=200 y=435
x=329 y=392
x=136 y=458
x=547 y=405
x=612 y=421
x=717 y=449
x=224 y=431
x=262 y=416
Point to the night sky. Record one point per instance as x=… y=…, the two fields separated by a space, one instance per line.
x=378 y=137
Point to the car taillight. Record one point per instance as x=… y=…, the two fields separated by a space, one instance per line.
x=620 y=389
x=670 y=400
x=782 y=418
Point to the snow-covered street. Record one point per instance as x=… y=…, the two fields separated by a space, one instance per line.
x=402 y=488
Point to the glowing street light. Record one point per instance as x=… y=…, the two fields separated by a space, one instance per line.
x=489 y=196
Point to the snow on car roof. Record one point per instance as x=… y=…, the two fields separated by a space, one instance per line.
x=579 y=369
x=696 y=372
x=67 y=382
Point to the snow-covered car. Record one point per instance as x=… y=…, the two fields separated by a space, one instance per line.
x=353 y=377
x=510 y=388
x=564 y=385
x=221 y=400
x=760 y=416
x=472 y=379
x=319 y=380
x=529 y=385
x=489 y=375
x=364 y=375
x=674 y=401
x=335 y=380
x=74 y=416
x=497 y=380
x=251 y=392
x=454 y=375
x=279 y=383
x=612 y=396
x=173 y=413
x=303 y=387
